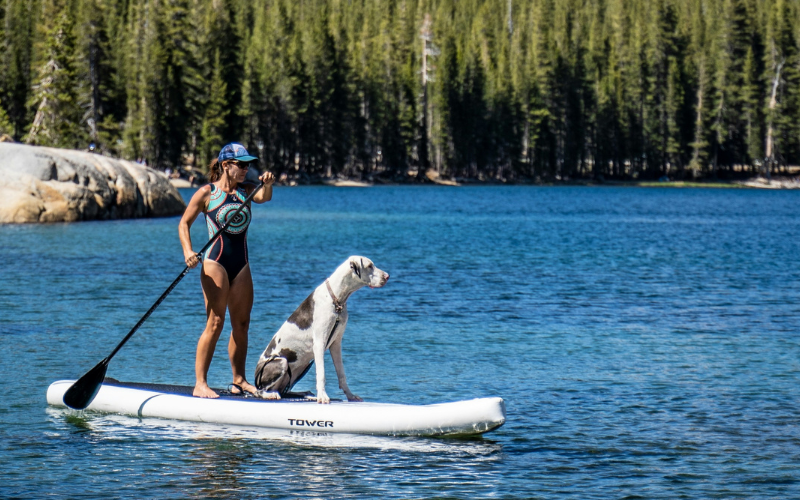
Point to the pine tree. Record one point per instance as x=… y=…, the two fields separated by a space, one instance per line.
x=332 y=102
x=6 y=128
x=140 y=27
x=58 y=120
x=260 y=112
x=702 y=86
x=541 y=109
x=215 y=121
x=752 y=114
x=222 y=36
x=253 y=92
x=17 y=40
x=735 y=82
x=445 y=98
x=98 y=91
x=156 y=126
x=783 y=73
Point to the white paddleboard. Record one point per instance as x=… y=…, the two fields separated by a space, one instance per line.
x=470 y=417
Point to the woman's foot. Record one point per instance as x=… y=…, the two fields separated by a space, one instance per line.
x=243 y=385
x=204 y=391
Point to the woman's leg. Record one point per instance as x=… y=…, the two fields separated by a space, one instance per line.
x=240 y=305
x=214 y=280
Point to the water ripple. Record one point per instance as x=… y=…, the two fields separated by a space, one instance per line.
x=645 y=343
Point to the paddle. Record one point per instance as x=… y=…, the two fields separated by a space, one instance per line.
x=82 y=392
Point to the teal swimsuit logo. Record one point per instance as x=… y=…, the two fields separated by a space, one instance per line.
x=240 y=222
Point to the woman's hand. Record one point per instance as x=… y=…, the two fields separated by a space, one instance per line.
x=267 y=178
x=191 y=259
x=265 y=193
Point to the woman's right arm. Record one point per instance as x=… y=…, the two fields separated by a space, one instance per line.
x=195 y=207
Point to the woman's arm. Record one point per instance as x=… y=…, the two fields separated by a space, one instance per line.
x=265 y=193
x=196 y=206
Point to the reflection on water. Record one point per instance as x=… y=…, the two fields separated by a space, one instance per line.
x=219 y=461
x=111 y=426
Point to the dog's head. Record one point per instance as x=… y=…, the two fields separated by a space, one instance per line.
x=364 y=270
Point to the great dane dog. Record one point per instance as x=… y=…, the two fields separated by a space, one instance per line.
x=316 y=326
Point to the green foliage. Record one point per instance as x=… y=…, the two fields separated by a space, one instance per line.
x=58 y=117
x=16 y=50
x=215 y=122
x=521 y=89
x=6 y=128
x=100 y=87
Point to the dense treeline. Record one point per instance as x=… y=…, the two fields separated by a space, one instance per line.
x=511 y=89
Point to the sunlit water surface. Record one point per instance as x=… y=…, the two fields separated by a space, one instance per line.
x=645 y=342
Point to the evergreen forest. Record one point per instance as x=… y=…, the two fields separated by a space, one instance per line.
x=511 y=90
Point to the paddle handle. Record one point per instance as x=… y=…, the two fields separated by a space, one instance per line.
x=183 y=273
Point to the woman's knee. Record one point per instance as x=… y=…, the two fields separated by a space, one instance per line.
x=240 y=327
x=215 y=324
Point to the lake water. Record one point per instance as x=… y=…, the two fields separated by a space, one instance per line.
x=646 y=342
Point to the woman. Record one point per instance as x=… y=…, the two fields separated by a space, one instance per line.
x=225 y=275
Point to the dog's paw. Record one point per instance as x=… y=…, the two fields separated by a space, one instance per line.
x=322 y=398
x=268 y=395
x=353 y=398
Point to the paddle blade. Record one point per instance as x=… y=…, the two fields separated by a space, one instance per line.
x=83 y=391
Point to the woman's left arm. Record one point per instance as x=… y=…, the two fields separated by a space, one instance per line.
x=265 y=193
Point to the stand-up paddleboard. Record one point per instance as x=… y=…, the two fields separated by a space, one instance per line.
x=470 y=417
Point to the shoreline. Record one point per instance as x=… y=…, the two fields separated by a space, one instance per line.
x=775 y=183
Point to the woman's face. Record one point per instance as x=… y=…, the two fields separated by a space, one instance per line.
x=236 y=170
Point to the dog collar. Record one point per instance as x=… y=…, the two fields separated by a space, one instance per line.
x=336 y=303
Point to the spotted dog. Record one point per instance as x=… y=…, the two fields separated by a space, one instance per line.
x=316 y=326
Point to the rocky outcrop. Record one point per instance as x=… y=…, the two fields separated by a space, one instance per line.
x=773 y=183
x=59 y=185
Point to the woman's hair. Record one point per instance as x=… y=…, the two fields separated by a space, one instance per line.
x=214 y=170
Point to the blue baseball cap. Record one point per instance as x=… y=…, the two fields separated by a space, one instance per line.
x=235 y=151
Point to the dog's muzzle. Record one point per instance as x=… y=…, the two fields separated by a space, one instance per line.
x=382 y=282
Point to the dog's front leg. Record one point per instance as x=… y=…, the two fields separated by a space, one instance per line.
x=336 y=356
x=319 y=361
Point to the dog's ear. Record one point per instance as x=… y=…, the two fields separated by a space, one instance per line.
x=356 y=268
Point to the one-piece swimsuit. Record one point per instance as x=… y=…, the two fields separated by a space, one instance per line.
x=230 y=248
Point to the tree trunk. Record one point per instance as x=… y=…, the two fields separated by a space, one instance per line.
x=773 y=102
x=698 y=126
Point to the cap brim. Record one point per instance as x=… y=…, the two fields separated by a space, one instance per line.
x=246 y=159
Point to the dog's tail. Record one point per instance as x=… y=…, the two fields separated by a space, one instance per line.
x=273 y=374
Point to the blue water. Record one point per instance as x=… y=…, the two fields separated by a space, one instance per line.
x=645 y=342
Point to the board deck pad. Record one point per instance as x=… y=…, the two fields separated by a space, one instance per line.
x=186 y=390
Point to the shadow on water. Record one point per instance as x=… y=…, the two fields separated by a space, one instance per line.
x=78 y=421
x=215 y=466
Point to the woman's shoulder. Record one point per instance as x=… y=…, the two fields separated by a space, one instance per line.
x=244 y=190
x=203 y=193
x=199 y=200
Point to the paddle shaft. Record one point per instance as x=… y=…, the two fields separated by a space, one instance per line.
x=183 y=273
